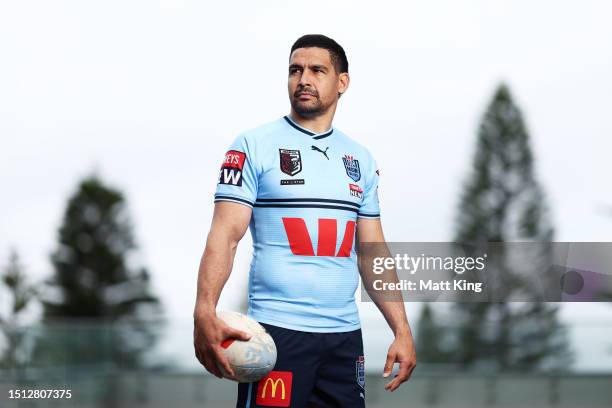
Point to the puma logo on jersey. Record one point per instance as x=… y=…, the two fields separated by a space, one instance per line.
x=321 y=151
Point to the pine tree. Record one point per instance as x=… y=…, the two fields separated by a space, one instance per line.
x=502 y=202
x=20 y=293
x=429 y=338
x=95 y=285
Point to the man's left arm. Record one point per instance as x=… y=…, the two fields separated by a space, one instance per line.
x=402 y=349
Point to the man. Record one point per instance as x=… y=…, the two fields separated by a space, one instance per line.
x=305 y=189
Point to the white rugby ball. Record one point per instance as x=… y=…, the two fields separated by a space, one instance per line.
x=253 y=359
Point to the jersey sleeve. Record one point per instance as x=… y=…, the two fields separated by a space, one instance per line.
x=370 y=207
x=238 y=176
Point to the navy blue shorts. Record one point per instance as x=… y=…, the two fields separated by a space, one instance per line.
x=312 y=370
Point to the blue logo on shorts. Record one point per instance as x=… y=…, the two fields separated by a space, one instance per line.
x=360 y=371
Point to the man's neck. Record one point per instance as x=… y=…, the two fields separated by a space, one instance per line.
x=317 y=124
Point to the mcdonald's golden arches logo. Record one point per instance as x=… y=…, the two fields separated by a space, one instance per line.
x=274 y=390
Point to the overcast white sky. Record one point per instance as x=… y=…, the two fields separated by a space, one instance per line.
x=150 y=94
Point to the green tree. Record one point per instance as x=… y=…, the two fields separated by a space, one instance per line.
x=502 y=202
x=95 y=285
x=430 y=337
x=19 y=294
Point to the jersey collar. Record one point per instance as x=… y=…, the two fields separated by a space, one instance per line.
x=308 y=132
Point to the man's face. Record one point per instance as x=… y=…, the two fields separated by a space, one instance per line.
x=313 y=81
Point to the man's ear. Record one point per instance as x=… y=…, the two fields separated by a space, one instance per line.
x=343 y=83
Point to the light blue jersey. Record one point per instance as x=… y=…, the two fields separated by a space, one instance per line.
x=307 y=191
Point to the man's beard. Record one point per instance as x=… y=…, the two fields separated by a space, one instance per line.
x=310 y=108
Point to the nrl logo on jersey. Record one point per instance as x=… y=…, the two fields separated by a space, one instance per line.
x=355 y=190
x=290 y=161
x=352 y=167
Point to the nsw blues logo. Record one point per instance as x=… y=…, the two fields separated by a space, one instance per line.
x=352 y=167
x=360 y=371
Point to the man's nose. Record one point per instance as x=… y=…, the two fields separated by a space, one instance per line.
x=305 y=78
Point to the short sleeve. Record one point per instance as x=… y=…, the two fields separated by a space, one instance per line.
x=238 y=176
x=370 y=207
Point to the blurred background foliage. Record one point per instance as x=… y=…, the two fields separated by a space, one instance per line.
x=502 y=201
x=100 y=315
x=97 y=304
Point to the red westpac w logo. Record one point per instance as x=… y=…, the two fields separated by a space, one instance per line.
x=301 y=244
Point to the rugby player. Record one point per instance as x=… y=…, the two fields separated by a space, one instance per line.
x=306 y=190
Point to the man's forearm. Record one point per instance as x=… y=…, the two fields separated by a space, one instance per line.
x=390 y=303
x=395 y=315
x=215 y=268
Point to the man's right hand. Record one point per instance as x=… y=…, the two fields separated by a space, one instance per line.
x=208 y=334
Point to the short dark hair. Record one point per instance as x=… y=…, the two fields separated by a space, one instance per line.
x=336 y=52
